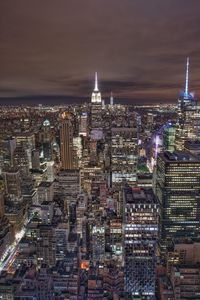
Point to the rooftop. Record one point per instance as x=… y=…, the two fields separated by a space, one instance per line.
x=179 y=156
x=142 y=195
x=46 y=184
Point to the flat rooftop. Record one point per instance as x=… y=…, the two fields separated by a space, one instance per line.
x=45 y=184
x=179 y=156
x=142 y=195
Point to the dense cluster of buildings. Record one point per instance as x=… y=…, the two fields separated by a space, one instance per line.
x=100 y=201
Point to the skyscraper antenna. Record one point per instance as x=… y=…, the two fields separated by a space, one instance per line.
x=187 y=77
x=96 y=89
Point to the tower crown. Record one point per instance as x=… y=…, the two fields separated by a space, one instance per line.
x=96 y=95
x=96 y=89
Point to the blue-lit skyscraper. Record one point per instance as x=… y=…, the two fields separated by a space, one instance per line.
x=188 y=123
x=140 y=234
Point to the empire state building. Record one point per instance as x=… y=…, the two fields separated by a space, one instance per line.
x=96 y=106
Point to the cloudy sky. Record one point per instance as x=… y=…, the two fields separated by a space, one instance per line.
x=138 y=47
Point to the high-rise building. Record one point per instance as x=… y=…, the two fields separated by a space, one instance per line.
x=177 y=185
x=169 y=137
x=188 y=125
x=27 y=140
x=46 y=245
x=116 y=237
x=140 y=234
x=66 y=141
x=124 y=155
x=98 y=242
x=20 y=160
x=12 y=182
x=96 y=106
x=45 y=191
x=83 y=128
x=8 y=146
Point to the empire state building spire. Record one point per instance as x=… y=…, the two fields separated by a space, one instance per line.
x=96 y=95
x=96 y=89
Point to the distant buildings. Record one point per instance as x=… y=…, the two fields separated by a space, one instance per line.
x=78 y=216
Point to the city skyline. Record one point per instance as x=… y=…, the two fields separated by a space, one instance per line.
x=53 y=51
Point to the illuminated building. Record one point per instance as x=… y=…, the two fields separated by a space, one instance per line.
x=27 y=140
x=20 y=160
x=96 y=95
x=77 y=150
x=113 y=281
x=169 y=137
x=50 y=171
x=116 y=236
x=98 y=243
x=66 y=142
x=36 y=159
x=83 y=129
x=140 y=235
x=45 y=191
x=16 y=214
x=177 y=186
x=186 y=281
x=8 y=146
x=188 y=125
x=124 y=155
x=45 y=136
x=46 y=245
x=46 y=212
x=192 y=147
x=61 y=236
x=12 y=183
x=68 y=183
x=111 y=99
x=96 y=106
x=6 y=234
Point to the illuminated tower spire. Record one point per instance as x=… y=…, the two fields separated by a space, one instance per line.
x=187 y=77
x=96 y=89
x=96 y=95
x=111 y=99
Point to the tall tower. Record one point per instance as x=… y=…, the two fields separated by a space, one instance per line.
x=111 y=99
x=96 y=106
x=96 y=95
x=188 y=116
x=177 y=186
x=140 y=236
x=66 y=141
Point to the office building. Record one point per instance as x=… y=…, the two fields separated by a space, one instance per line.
x=83 y=127
x=124 y=155
x=12 y=181
x=98 y=243
x=169 y=137
x=140 y=235
x=177 y=185
x=66 y=141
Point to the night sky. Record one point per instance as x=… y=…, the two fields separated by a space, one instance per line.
x=139 y=48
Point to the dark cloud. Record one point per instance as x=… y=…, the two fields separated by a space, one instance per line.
x=138 y=47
